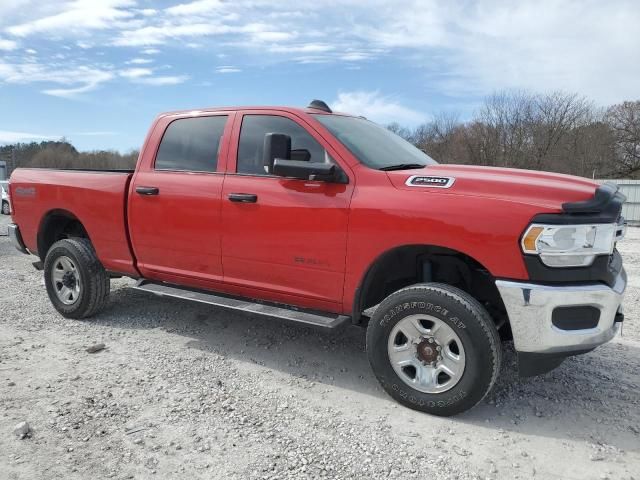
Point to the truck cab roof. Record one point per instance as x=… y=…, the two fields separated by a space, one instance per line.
x=315 y=107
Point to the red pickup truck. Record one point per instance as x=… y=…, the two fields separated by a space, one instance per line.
x=329 y=219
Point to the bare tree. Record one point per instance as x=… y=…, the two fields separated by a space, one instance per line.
x=437 y=137
x=624 y=120
x=401 y=131
x=555 y=131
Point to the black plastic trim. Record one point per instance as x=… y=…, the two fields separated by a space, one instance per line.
x=602 y=200
x=575 y=317
x=320 y=105
x=604 y=207
x=604 y=269
x=531 y=364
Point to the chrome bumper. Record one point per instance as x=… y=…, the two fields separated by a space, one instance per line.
x=530 y=307
x=14 y=234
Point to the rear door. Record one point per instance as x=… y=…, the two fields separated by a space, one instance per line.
x=284 y=239
x=175 y=200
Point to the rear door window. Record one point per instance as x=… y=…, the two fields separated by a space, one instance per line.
x=191 y=144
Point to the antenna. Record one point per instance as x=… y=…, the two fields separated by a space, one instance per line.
x=319 y=105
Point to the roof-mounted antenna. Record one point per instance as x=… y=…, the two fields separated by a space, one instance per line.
x=319 y=105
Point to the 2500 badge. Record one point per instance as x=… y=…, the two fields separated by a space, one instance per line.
x=428 y=181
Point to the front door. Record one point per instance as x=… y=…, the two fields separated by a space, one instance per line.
x=175 y=202
x=284 y=239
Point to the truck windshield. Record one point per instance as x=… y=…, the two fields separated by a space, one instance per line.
x=373 y=145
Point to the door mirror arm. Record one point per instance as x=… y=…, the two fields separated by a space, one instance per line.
x=323 y=172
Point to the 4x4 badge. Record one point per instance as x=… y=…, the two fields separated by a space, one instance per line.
x=432 y=182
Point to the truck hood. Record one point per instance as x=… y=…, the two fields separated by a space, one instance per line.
x=544 y=189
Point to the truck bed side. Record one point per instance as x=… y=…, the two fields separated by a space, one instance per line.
x=97 y=199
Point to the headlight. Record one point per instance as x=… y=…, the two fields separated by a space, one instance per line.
x=569 y=245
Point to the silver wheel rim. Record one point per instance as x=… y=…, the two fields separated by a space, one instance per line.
x=426 y=353
x=66 y=280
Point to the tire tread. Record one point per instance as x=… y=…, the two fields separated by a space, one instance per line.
x=97 y=284
x=468 y=303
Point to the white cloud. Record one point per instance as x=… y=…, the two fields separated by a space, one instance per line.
x=163 y=80
x=228 y=69
x=355 y=56
x=73 y=80
x=465 y=48
x=68 y=92
x=302 y=48
x=139 y=61
x=76 y=16
x=15 y=137
x=158 y=35
x=195 y=8
x=376 y=107
x=272 y=36
x=8 y=44
x=136 y=72
x=540 y=45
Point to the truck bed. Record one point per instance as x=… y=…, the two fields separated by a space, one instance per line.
x=97 y=198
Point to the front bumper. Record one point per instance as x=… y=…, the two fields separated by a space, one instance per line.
x=540 y=343
x=14 y=234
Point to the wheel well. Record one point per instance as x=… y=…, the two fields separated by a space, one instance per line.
x=407 y=265
x=56 y=225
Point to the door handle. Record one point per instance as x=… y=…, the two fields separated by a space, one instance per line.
x=243 y=197
x=147 y=190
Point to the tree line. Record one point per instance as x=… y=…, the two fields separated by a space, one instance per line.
x=557 y=131
x=62 y=154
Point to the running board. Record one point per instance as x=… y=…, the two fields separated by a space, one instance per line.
x=269 y=310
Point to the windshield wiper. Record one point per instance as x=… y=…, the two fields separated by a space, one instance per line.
x=402 y=166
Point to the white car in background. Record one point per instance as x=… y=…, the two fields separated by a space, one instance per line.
x=6 y=205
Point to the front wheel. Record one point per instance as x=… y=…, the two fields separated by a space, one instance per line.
x=5 y=208
x=434 y=348
x=76 y=281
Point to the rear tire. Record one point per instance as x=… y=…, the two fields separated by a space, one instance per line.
x=76 y=281
x=5 y=208
x=434 y=348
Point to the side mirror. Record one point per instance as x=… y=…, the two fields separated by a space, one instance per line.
x=301 y=154
x=303 y=170
x=276 y=145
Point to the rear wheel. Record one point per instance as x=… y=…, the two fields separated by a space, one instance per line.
x=76 y=281
x=434 y=348
x=5 y=208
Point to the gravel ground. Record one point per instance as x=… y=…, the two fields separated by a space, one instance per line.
x=189 y=391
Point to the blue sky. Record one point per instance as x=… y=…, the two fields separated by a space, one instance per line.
x=98 y=71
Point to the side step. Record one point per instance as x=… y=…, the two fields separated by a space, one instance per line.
x=261 y=308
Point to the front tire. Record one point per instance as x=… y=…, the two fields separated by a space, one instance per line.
x=5 y=208
x=434 y=348
x=76 y=281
